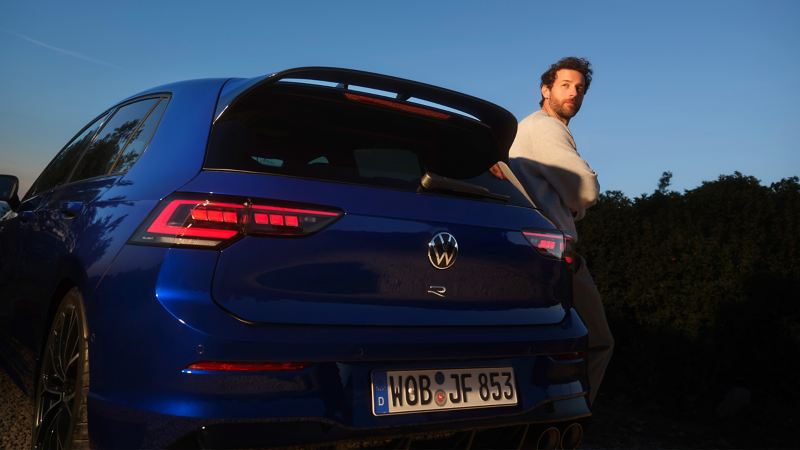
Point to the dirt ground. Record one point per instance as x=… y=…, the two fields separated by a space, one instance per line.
x=15 y=414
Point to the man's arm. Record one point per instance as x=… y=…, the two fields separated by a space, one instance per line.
x=551 y=151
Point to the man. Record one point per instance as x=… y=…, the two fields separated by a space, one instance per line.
x=545 y=160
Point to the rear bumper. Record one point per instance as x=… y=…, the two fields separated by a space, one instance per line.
x=121 y=426
x=146 y=330
x=497 y=432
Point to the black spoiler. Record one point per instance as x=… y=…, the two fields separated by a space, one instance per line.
x=502 y=123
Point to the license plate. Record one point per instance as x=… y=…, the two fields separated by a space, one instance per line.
x=405 y=391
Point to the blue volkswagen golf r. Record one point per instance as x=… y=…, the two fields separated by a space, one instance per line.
x=314 y=258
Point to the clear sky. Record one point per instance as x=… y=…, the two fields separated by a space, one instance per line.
x=699 y=88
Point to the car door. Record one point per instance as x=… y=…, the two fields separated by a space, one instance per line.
x=24 y=258
x=54 y=221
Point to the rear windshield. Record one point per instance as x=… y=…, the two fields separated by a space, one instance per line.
x=316 y=132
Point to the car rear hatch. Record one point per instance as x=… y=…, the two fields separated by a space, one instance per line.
x=333 y=225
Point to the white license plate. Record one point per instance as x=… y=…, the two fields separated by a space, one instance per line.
x=405 y=391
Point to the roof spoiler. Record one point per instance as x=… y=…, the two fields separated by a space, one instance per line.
x=502 y=123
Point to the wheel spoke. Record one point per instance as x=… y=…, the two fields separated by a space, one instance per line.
x=72 y=360
x=47 y=427
x=72 y=319
x=49 y=388
x=62 y=426
x=67 y=327
x=58 y=345
x=50 y=410
x=52 y=364
x=68 y=400
x=75 y=349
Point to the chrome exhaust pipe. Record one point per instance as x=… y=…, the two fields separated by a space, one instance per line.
x=549 y=439
x=572 y=436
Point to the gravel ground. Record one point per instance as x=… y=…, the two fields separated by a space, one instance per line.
x=616 y=425
x=15 y=415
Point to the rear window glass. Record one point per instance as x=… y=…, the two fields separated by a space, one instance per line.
x=316 y=132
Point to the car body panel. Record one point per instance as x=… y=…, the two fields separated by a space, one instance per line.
x=375 y=269
x=363 y=306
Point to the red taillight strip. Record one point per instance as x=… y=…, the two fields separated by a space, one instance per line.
x=544 y=235
x=221 y=366
x=397 y=105
x=161 y=226
x=569 y=249
x=295 y=210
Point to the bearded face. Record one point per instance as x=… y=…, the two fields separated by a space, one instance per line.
x=564 y=98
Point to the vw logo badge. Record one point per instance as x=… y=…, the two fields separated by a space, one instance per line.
x=442 y=250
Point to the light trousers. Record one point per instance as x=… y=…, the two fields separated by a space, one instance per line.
x=589 y=305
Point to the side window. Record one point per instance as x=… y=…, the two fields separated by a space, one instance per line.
x=61 y=166
x=140 y=139
x=104 y=150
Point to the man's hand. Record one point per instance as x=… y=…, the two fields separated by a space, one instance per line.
x=495 y=170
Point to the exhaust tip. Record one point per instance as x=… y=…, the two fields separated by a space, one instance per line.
x=572 y=436
x=549 y=439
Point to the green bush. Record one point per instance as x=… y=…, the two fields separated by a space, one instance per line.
x=702 y=289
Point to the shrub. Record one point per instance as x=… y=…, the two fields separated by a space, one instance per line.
x=701 y=288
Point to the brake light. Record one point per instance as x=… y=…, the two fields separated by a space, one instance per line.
x=569 y=249
x=288 y=221
x=225 y=366
x=548 y=244
x=552 y=244
x=204 y=222
x=397 y=105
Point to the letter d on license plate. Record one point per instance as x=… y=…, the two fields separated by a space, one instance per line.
x=405 y=391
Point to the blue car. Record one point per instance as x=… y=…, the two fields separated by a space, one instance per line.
x=314 y=258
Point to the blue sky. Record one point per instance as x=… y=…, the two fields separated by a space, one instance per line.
x=699 y=88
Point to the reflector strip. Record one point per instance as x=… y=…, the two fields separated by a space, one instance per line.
x=571 y=356
x=397 y=105
x=245 y=366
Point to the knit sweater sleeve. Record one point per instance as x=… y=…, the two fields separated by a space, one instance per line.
x=551 y=149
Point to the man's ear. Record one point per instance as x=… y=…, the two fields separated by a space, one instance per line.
x=545 y=92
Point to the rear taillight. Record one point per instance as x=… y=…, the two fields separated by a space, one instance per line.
x=208 y=222
x=227 y=366
x=288 y=221
x=553 y=244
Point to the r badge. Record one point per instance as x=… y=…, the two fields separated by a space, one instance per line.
x=440 y=291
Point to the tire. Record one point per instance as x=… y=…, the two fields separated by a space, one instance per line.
x=62 y=382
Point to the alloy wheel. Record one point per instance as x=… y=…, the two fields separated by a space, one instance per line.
x=61 y=378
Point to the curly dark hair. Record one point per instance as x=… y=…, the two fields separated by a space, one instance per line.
x=582 y=65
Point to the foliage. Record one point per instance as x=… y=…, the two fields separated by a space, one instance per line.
x=701 y=289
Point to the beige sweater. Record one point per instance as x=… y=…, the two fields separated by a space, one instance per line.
x=547 y=163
